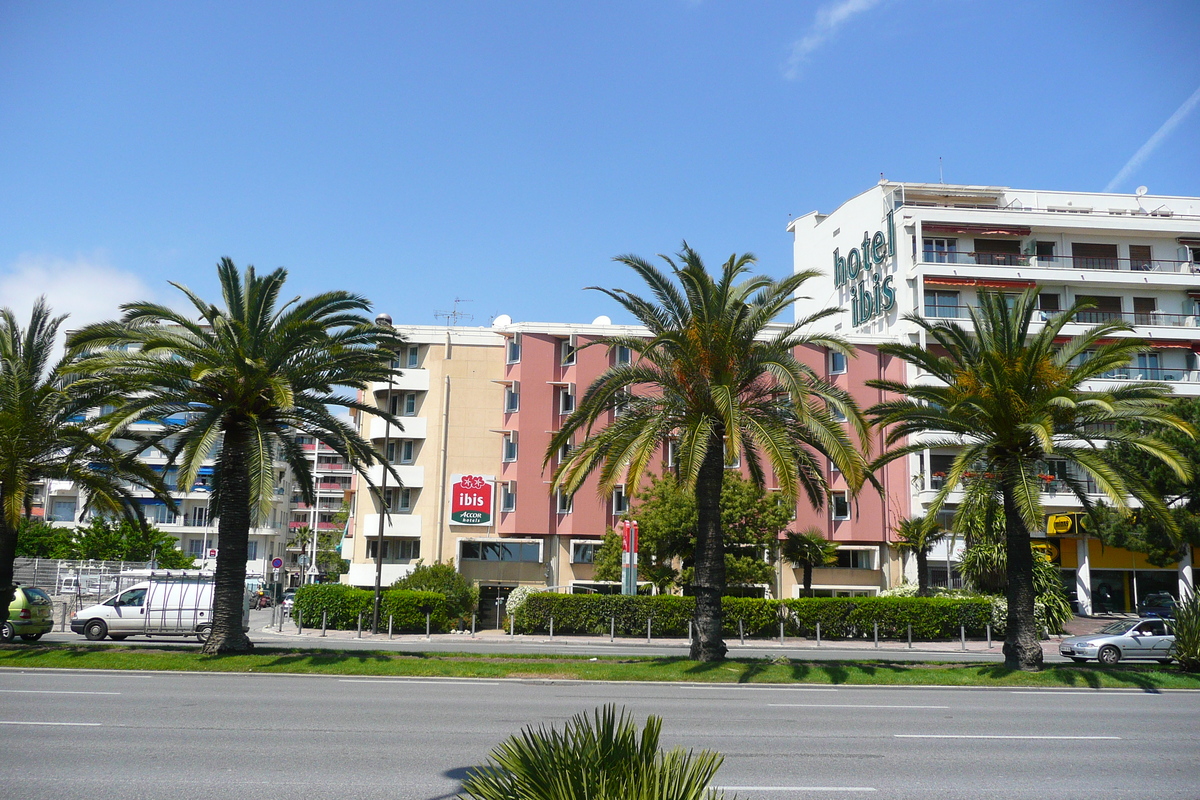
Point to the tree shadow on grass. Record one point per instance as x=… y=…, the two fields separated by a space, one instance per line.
x=1085 y=676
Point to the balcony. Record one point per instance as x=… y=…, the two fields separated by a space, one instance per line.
x=1058 y=262
x=414 y=428
x=395 y=524
x=412 y=380
x=410 y=475
x=1089 y=317
x=321 y=526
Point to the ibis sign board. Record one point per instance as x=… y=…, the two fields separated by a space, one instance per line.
x=471 y=499
x=871 y=293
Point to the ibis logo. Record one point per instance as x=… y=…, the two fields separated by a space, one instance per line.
x=871 y=294
x=471 y=499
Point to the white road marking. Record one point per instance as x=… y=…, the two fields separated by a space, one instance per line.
x=1095 y=692
x=841 y=705
x=743 y=688
x=990 y=736
x=46 y=691
x=403 y=682
x=77 y=724
x=796 y=788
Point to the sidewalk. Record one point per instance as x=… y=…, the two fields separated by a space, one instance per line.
x=1077 y=626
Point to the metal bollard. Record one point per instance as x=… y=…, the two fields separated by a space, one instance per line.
x=472 y=624
x=299 y=622
x=391 y=619
x=612 y=629
x=818 y=634
x=910 y=636
x=962 y=635
x=989 y=632
x=689 y=633
x=648 y=621
x=359 y=625
x=324 y=621
x=876 y=635
x=427 y=636
x=781 y=634
x=552 y=629
x=512 y=625
x=741 y=632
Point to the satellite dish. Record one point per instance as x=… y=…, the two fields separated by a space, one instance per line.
x=502 y=321
x=1141 y=191
x=602 y=320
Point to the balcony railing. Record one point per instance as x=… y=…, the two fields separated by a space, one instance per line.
x=1089 y=317
x=1051 y=487
x=1058 y=262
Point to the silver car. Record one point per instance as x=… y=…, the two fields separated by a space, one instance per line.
x=1127 y=638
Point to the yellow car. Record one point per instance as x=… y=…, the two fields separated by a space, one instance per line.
x=30 y=614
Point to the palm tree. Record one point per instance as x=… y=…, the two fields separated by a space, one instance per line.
x=48 y=432
x=808 y=549
x=247 y=379
x=714 y=376
x=1010 y=398
x=918 y=535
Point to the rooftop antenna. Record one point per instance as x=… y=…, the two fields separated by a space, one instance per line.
x=941 y=179
x=452 y=317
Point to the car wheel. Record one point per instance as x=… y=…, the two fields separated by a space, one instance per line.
x=31 y=637
x=204 y=633
x=118 y=637
x=6 y=632
x=1108 y=655
x=1078 y=660
x=95 y=630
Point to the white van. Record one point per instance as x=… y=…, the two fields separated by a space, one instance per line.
x=169 y=603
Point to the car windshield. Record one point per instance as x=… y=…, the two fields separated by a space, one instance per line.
x=1119 y=627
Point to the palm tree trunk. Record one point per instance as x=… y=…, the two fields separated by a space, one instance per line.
x=1022 y=647
x=923 y=588
x=8 y=553
x=808 y=568
x=233 y=532
x=708 y=581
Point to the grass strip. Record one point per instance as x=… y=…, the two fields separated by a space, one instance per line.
x=858 y=672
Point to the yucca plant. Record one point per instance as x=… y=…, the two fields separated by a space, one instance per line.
x=1187 y=633
x=597 y=757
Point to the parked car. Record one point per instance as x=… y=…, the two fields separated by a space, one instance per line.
x=30 y=615
x=1128 y=638
x=1157 y=604
x=289 y=598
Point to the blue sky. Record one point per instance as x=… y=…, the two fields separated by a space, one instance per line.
x=502 y=153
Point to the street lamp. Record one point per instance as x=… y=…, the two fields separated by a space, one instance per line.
x=383 y=320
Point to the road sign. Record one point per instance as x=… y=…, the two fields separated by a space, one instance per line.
x=275 y=575
x=302 y=559
x=277 y=563
x=313 y=571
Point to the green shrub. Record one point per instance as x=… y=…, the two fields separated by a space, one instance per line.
x=461 y=595
x=342 y=605
x=602 y=757
x=1187 y=633
x=594 y=613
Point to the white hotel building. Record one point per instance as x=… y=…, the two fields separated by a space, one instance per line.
x=927 y=249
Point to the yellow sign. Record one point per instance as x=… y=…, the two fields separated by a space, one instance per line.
x=1058 y=524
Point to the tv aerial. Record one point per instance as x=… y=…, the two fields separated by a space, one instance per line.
x=452 y=318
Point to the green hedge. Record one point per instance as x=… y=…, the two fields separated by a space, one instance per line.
x=840 y=617
x=342 y=605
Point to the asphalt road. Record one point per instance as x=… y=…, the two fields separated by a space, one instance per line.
x=68 y=734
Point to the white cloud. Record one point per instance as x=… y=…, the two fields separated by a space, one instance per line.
x=829 y=18
x=87 y=288
x=1154 y=141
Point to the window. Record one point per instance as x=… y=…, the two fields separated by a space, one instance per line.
x=414 y=356
x=157 y=513
x=408 y=449
x=1049 y=303
x=508 y=496
x=563 y=501
x=567 y=351
x=621 y=403
x=408 y=404
x=395 y=549
x=1044 y=251
x=838 y=414
x=564 y=451
x=406 y=500
x=1139 y=257
x=62 y=511
x=839 y=503
x=251 y=550
x=584 y=552
x=1143 y=310
x=512 y=397
x=620 y=502
x=1094 y=256
x=941 y=304
x=528 y=552
x=509 y=452
x=622 y=355
x=837 y=362
x=195 y=548
x=514 y=350
x=566 y=399
x=1104 y=308
x=855 y=559
x=941 y=251
x=672 y=453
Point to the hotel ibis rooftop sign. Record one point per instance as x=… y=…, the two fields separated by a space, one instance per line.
x=871 y=294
